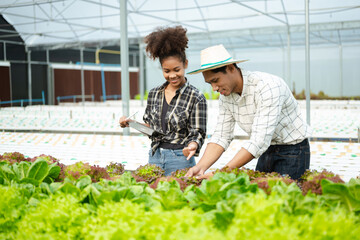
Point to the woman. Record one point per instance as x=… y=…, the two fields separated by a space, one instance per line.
x=176 y=109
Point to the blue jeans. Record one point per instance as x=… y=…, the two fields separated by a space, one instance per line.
x=170 y=160
x=286 y=159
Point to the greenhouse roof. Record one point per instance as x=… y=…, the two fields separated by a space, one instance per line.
x=236 y=23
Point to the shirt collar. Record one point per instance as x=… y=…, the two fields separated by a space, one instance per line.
x=236 y=96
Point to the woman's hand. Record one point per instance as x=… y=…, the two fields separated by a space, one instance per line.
x=124 y=122
x=190 y=150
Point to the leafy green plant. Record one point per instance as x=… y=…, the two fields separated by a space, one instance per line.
x=214 y=95
x=48 y=158
x=97 y=173
x=262 y=216
x=347 y=194
x=12 y=208
x=29 y=172
x=311 y=180
x=13 y=157
x=180 y=181
x=268 y=182
x=76 y=170
x=115 y=169
x=253 y=174
x=322 y=96
x=60 y=216
x=221 y=187
x=79 y=169
x=148 y=173
x=185 y=181
x=138 y=97
x=227 y=206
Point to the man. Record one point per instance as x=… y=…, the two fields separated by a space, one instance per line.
x=264 y=107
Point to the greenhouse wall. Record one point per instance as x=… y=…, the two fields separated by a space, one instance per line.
x=68 y=82
x=5 y=90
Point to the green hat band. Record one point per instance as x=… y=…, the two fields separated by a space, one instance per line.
x=203 y=65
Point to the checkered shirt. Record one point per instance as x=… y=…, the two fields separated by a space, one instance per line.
x=266 y=110
x=186 y=116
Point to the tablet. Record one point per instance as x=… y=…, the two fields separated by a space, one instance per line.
x=141 y=127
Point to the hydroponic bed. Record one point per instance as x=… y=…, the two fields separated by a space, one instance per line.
x=43 y=199
x=329 y=119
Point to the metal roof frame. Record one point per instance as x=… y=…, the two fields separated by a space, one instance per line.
x=28 y=17
x=52 y=24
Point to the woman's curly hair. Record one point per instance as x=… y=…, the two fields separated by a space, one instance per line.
x=166 y=42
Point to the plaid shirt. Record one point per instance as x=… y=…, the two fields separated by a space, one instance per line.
x=186 y=116
x=266 y=110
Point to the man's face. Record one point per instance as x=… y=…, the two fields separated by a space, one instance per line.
x=224 y=83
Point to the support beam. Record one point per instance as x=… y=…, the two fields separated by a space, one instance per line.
x=29 y=77
x=307 y=62
x=300 y=28
x=124 y=57
x=82 y=76
x=141 y=73
x=50 y=81
x=4 y=49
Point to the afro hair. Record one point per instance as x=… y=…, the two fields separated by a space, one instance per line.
x=165 y=42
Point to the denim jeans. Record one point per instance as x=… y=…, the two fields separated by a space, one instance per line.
x=286 y=159
x=170 y=160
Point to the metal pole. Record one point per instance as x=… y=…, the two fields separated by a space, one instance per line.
x=307 y=62
x=124 y=57
x=103 y=82
x=29 y=77
x=4 y=45
x=82 y=76
x=50 y=93
x=133 y=59
x=141 y=73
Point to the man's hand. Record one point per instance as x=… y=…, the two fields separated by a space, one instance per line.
x=206 y=176
x=190 y=150
x=194 y=171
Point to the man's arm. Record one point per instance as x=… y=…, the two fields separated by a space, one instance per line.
x=240 y=159
x=212 y=153
x=220 y=140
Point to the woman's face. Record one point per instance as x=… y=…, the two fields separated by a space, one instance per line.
x=174 y=71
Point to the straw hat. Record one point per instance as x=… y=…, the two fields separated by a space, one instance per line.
x=214 y=57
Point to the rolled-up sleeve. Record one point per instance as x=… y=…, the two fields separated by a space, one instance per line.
x=224 y=130
x=197 y=128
